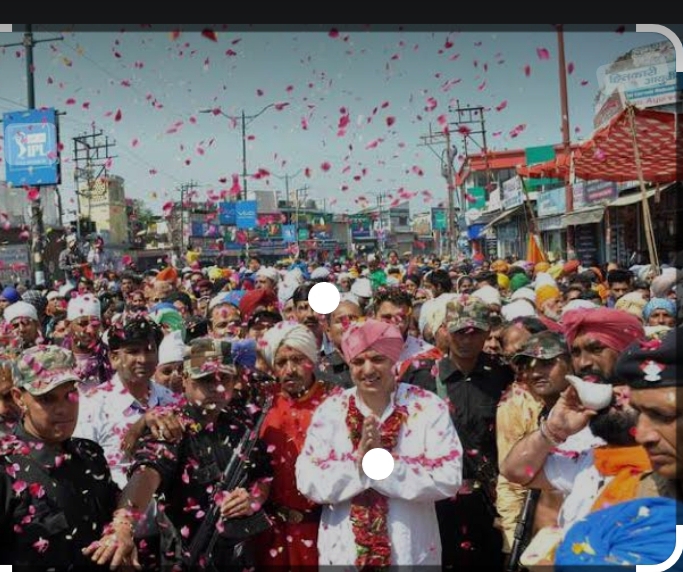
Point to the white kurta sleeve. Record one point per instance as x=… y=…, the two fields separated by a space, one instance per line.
x=434 y=473
x=326 y=470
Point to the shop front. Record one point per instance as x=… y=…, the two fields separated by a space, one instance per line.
x=551 y=204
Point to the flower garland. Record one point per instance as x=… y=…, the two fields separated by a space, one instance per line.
x=369 y=509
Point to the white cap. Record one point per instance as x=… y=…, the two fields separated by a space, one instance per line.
x=172 y=349
x=578 y=304
x=362 y=287
x=52 y=295
x=349 y=297
x=542 y=279
x=20 y=309
x=86 y=305
x=320 y=273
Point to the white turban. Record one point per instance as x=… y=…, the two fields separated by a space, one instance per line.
x=86 y=305
x=285 y=292
x=524 y=294
x=543 y=278
x=172 y=349
x=268 y=272
x=293 y=277
x=578 y=304
x=487 y=294
x=292 y=334
x=520 y=308
x=362 y=288
x=20 y=309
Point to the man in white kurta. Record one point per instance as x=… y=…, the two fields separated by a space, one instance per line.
x=427 y=455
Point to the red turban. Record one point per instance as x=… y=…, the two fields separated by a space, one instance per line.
x=614 y=328
x=168 y=274
x=255 y=299
x=382 y=337
x=571 y=267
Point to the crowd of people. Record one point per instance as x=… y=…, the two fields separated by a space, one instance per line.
x=527 y=407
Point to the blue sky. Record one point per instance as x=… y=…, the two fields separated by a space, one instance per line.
x=144 y=90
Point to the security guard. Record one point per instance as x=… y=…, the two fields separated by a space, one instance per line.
x=185 y=474
x=56 y=491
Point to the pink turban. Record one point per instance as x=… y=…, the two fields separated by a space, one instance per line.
x=382 y=337
x=616 y=329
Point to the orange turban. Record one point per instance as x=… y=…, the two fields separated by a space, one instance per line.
x=541 y=267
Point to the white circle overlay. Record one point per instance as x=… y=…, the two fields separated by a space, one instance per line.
x=377 y=464
x=324 y=298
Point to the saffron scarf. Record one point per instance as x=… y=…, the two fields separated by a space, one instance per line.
x=626 y=465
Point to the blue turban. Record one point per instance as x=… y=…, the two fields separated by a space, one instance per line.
x=669 y=306
x=641 y=531
x=10 y=294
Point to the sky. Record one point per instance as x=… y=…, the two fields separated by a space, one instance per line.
x=349 y=108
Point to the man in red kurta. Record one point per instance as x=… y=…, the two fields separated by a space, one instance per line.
x=291 y=351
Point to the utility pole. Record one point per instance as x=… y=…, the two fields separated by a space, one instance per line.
x=185 y=188
x=566 y=142
x=447 y=172
x=37 y=226
x=90 y=157
x=466 y=118
x=296 y=210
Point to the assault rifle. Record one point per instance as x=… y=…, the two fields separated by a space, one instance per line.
x=523 y=529
x=234 y=476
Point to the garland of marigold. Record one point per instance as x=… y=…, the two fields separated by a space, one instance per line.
x=369 y=509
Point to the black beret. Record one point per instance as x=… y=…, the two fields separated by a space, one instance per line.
x=650 y=364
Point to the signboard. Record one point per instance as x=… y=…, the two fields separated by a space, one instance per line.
x=494 y=202
x=645 y=76
x=245 y=216
x=577 y=195
x=439 y=219
x=535 y=156
x=599 y=192
x=14 y=263
x=513 y=194
x=361 y=226
x=552 y=202
x=227 y=213
x=31 y=148
x=289 y=233
x=611 y=107
x=586 y=244
x=475 y=198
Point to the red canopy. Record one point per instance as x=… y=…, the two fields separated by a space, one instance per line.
x=609 y=155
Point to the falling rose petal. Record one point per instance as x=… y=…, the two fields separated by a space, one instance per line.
x=570 y=68
x=584 y=82
x=135 y=142
x=175 y=34
x=280 y=106
x=333 y=33
x=19 y=487
x=118 y=115
x=259 y=92
x=325 y=166
x=543 y=53
x=374 y=144
x=620 y=29
x=41 y=545
x=431 y=104
x=209 y=34
x=33 y=194
x=307 y=172
x=502 y=105
x=70 y=101
x=527 y=70
x=390 y=120
x=185 y=532
x=417 y=170
x=482 y=86
x=230 y=52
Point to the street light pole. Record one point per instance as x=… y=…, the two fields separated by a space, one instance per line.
x=243 y=119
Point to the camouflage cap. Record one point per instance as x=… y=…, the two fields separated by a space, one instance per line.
x=40 y=369
x=207 y=356
x=467 y=312
x=544 y=345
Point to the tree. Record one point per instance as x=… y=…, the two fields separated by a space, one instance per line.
x=140 y=218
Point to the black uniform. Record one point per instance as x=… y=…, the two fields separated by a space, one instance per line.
x=334 y=370
x=191 y=468
x=468 y=535
x=56 y=500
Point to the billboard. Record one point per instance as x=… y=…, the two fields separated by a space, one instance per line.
x=31 y=148
x=439 y=219
x=227 y=213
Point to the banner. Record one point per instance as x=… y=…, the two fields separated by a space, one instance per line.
x=439 y=219
x=227 y=213
x=289 y=233
x=31 y=147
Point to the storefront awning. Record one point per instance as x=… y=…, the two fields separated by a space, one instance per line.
x=584 y=216
x=634 y=198
x=500 y=218
x=609 y=154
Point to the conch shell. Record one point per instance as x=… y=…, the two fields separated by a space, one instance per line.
x=594 y=396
